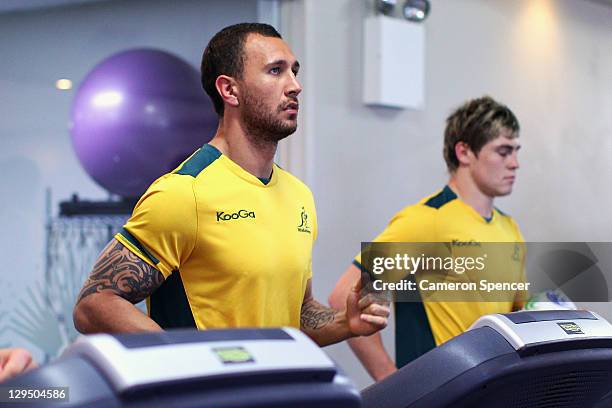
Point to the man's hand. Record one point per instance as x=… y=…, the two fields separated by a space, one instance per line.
x=369 y=349
x=366 y=314
x=328 y=326
x=14 y=362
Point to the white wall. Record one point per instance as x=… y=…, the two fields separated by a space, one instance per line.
x=550 y=61
x=38 y=47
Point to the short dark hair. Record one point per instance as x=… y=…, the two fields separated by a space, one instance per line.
x=224 y=55
x=476 y=123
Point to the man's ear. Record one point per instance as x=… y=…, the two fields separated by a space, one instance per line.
x=464 y=153
x=228 y=89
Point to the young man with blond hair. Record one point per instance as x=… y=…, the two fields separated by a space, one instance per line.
x=480 y=149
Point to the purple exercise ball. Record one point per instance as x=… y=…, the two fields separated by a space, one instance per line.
x=136 y=116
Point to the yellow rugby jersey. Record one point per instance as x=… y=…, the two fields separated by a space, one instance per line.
x=443 y=217
x=235 y=250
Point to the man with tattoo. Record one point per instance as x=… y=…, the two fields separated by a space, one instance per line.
x=225 y=240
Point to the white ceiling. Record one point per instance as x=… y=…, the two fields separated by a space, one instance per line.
x=604 y=2
x=24 y=5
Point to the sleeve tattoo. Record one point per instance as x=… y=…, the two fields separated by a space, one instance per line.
x=120 y=271
x=315 y=316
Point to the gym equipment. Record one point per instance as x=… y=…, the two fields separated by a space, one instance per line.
x=529 y=359
x=137 y=115
x=210 y=368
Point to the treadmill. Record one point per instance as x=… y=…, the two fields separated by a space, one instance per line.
x=188 y=369
x=528 y=359
x=534 y=359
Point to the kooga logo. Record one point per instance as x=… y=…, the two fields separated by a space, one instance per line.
x=223 y=216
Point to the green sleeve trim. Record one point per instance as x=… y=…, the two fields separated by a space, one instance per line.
x=132 y=240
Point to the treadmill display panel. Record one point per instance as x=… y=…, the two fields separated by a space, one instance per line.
x=570 y=328
x=233 y=355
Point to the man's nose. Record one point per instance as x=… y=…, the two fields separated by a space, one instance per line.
x=514 y=163
x=294 y=88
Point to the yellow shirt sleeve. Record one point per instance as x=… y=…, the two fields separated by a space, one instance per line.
x=162 y=230
x=415 y=223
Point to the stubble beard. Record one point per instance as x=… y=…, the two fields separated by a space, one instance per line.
x=263 y=125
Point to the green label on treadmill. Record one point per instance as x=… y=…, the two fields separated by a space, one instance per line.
x=233 y=355
x=570 y=328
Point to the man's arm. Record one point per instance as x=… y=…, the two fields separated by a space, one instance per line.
x=370 y=350
x=13 y=362
x=360 y=317
x=118 y=281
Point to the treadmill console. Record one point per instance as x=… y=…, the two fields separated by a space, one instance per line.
x=528 y=328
